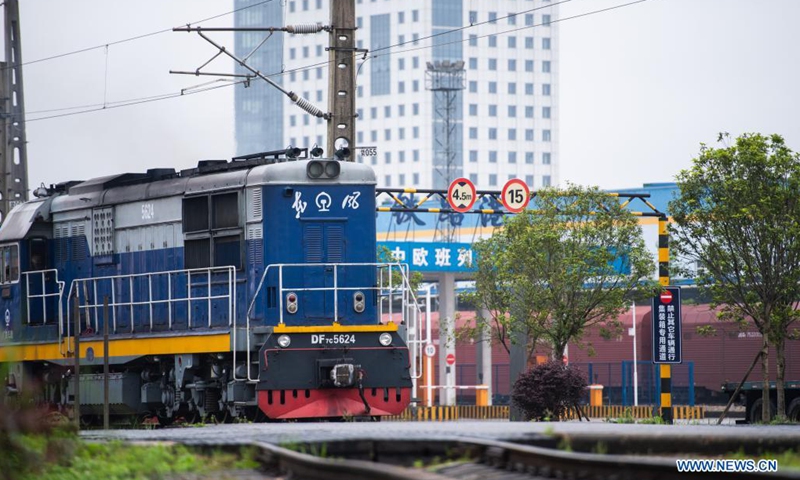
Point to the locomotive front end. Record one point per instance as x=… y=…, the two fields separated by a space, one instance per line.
x=322 y=295
x=334 y=371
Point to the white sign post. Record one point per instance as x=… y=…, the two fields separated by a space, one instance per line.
x=635 y=371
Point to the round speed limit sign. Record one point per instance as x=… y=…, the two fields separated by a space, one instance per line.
x=515 y=195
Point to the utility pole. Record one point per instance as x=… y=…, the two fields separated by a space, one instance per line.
x=342 y=80
x=13 y=150
x=341 y=115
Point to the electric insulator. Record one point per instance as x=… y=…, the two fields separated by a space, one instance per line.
x=306 y=105
x=304 y=28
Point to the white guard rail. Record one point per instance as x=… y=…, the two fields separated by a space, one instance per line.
x=43 y=279
x=85 y=292
x=387 y=289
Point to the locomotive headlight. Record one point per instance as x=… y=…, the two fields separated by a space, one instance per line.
x=284 y=341
x=315 y=169
x=385 y=339
x=332 y=169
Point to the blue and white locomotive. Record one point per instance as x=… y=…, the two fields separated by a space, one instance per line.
x=232 y=288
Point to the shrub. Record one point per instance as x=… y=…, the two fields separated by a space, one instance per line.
x=548 y=390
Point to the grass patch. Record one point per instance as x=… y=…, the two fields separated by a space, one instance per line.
x=782 y=421
x=61 y=455
x=627 y=417
x=788 y=460
x=565 y=444
x=600 y=448
x=652 y=421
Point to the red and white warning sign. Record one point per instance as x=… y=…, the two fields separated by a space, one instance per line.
x=461 y=195
x=451 y=358
x=666 y=297
x=515 y=195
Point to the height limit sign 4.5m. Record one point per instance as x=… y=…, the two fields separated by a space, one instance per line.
x=461 y=195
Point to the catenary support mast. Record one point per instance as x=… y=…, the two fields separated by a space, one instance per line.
x=342 y=80
x=13 y=151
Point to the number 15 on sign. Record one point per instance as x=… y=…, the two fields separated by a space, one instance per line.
x=515 y=195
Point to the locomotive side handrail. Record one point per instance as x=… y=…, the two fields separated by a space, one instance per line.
x=420 y=337
x=410 y=310
x=43 y=275
x=92 y=304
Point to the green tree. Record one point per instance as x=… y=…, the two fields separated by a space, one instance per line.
x=738 y=217
x=572 y=263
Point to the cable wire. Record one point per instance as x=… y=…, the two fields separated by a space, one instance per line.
x=130 y=39
x=328 y=62
x=138 y=101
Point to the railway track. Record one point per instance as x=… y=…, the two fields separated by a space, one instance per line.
x=465 y=459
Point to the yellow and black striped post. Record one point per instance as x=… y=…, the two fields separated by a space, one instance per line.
x=663 y=279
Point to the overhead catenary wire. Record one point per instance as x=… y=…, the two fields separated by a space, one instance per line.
x=135 y=37
x=327 y=62
x=139 y=101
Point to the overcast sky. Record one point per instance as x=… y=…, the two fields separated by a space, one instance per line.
x=640 y=87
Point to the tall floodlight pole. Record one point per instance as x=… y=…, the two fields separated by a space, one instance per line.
x=13 y=150
x=446 y=80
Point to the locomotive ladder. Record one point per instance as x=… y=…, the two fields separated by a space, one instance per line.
x=393 y=284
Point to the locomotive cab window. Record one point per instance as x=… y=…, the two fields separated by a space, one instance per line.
x=212 y=231
x=37 y=248
x=9 y=263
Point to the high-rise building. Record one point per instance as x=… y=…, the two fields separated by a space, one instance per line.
x=504 y=123
x=259 y=107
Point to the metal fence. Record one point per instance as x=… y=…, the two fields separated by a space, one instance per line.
x=615 y=377
x=617 y=381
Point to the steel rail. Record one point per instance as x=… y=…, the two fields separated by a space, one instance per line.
x=310 y=467
x=345 y=460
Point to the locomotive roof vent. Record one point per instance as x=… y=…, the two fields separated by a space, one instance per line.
x=207 y=164
x=160 y=173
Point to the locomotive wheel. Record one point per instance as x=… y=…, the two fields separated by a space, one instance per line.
x=163 y=419
x=255 y=415
x=223 y=416
x=190 y=418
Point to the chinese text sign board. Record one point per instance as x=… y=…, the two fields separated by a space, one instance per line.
x=667 y=326
x=433 y=256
